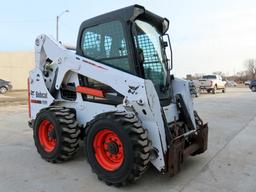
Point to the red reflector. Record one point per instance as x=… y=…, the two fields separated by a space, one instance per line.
x=29 y=107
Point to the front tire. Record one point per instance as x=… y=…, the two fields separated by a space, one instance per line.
x=56 y=134
x=253 y=89
x=118 y=148
x=214 y=90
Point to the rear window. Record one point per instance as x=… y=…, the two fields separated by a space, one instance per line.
x=209 y=77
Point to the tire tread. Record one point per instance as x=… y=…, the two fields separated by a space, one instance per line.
x=140 y=144
x=70 y=134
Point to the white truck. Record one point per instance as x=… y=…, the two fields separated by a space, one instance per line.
x=212 y=83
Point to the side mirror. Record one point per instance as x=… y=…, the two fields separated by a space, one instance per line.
x=165 y=25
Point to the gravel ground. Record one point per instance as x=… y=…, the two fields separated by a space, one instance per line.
x=228 y=165
x=14 y=98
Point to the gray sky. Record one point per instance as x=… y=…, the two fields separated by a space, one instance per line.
x=206 y=35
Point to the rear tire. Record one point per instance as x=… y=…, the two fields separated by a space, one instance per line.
x=130 y=143
x=253 y=89
x=56 y=134
x=3 y=90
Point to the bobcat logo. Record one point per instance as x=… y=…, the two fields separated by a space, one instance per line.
x=132 y=89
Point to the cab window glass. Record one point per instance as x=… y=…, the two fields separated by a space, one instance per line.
x=106 y=43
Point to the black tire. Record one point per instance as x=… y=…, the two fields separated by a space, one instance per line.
x=66 y=132
x=224 y=90
x=3 y=90
x=214 y=89
x=135 y=143
x=253 y=88
x=208 y=90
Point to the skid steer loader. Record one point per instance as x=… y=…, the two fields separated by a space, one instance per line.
x=115 y=92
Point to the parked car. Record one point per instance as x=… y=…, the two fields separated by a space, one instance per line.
x=247 y=82
x=212 y=83
x=5 y=86
x=252 y=86
x=231 y=84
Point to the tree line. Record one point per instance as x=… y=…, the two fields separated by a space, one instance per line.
x=248 y=74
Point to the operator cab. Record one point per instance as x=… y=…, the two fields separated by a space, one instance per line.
x=129 y=39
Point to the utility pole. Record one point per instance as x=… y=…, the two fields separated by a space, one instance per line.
x=57 y=23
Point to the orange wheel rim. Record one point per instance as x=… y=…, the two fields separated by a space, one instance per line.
x=47 y=136
x=109 y=150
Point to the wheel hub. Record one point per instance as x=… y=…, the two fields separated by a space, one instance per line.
x=109 y=150
x=112 y=148
x=51 y=134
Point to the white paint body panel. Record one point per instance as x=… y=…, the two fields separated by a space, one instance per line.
x=37 y=88
x=182 y=87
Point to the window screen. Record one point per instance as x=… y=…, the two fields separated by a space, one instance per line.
x=147 y=39
x=106 y=43
x=152 y=64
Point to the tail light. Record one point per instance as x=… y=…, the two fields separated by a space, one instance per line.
x=29 y=107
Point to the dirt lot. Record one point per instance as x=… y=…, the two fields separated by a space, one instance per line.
x=228 y=165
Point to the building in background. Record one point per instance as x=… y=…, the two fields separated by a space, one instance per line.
x=15 y=66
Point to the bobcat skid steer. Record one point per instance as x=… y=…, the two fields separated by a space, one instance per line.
x=115 y=92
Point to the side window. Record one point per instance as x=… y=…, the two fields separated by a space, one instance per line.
x=106 y=43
